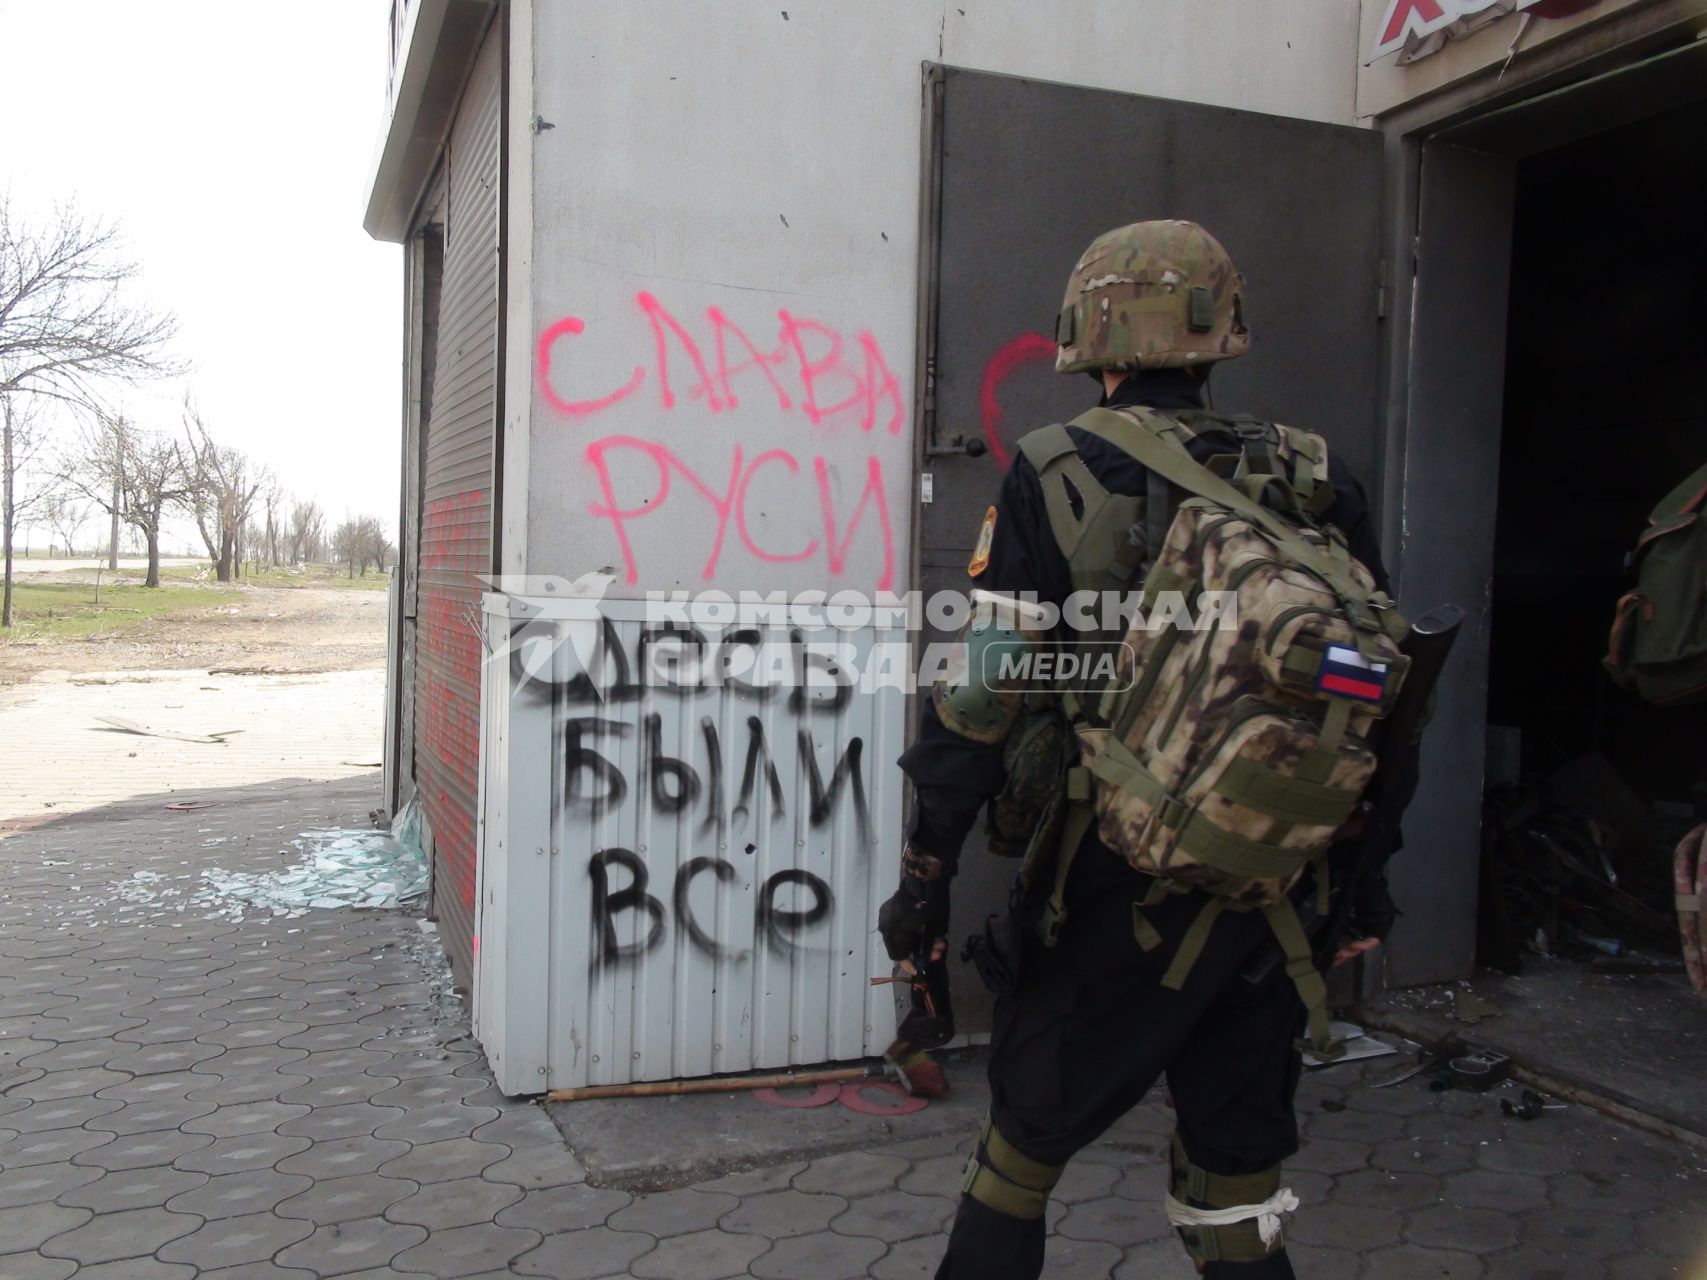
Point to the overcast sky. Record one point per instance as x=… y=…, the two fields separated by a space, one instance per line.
x=232 y=142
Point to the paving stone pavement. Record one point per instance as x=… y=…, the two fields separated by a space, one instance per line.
x=289 y=1099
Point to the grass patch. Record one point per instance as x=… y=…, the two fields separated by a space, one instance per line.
x=317 y=575
x=67 y=610
x=307 y=575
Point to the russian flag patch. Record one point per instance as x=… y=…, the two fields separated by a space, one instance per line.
x=1348 y=674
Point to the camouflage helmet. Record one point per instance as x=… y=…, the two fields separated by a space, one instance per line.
x=1152 y=295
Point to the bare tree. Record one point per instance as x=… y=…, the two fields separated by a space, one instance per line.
x=360 y=541
x=66 y=517
x=273 y=504
x=21 y=489
x=143 y=469
x=65 y=320
x=307 y=532
x=347 y=543
x=223 y=490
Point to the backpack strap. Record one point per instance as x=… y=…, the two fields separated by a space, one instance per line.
x=1080 y=814
x=1052 y=454
x=1092 y=527
x=1301 y=968
x=1158 y=513
x=1138 y=434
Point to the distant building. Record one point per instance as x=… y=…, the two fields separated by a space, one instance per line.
x=759 y=296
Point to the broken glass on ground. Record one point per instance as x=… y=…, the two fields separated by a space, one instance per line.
x=339 y=867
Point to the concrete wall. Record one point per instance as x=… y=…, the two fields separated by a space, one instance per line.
x=750 y=171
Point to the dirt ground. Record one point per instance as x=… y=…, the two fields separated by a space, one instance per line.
x=291 y=678
x=244 y=630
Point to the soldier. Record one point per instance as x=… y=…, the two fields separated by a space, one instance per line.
x=1084 y=1027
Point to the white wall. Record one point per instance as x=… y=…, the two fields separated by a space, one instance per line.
x=730 y=156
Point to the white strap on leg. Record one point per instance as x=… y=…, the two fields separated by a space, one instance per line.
x=1267 y=1214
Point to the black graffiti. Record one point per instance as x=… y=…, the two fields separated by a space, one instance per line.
x=678 y=671
x=822 y=798
x=807 y=660
x=580 y=760
x=752 y=640
x=714 y=819
x=779 y=928
x=677 y=659
x=607 y=905
x=594 y=783
x=757 y=752
x=697 y=935
x=674 y=783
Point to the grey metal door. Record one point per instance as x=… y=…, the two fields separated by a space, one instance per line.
x=1020 y=176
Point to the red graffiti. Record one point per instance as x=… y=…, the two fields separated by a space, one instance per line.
x=721 y=326
x=665 y=461
x=817 y=356
x=770 y=557
x=871 y=508
x=575 y=408
x=661 y=319
x=454 y=540
x=872 y=493
x=1027 y=348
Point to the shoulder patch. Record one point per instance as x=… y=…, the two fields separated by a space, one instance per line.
x=986 y=537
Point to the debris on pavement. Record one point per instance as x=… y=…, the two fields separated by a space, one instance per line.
x=1470 y=1008
x=341 y=867
x=1532 y=1106
x=1476 y=1070
x=1358 y=1044
x=120 y=724
x=1577 y=864
x=344 y=867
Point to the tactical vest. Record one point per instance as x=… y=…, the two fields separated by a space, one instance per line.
x=1221 y=757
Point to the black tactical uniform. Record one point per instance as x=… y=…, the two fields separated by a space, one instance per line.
x=1091 y=1028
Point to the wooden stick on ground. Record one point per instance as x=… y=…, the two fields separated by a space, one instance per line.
x=718 y=1084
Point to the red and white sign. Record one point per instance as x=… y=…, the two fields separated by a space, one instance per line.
x=1407 y=20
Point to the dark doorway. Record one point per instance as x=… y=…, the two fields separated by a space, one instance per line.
x=1607 y=357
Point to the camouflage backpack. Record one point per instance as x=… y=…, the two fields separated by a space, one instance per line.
x=1222 y=758
x=1658 y=645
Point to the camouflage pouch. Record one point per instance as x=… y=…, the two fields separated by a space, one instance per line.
x=1036 y=756
x=1025 y=820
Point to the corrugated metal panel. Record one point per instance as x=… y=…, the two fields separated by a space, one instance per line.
x=407 y=659
x=456 y=520
x=715 y=836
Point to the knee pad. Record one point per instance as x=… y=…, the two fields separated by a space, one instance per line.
x=1227 y=1218
x=1000 y=1177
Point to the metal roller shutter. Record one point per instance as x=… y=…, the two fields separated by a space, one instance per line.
x=456 y=511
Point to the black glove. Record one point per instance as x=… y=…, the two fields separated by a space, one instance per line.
x=916 y=914
x=1373 y=912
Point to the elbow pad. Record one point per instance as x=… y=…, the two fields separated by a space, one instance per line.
x=983 y=689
